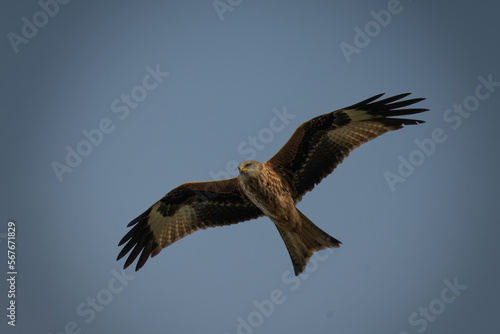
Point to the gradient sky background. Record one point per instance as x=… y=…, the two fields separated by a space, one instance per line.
x=225 y=79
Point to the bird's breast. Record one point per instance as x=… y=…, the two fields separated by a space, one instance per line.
x=268 y=192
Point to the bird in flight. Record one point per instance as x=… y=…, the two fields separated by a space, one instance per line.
x=272 y=188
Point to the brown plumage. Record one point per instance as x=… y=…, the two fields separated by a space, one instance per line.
x=272 y=188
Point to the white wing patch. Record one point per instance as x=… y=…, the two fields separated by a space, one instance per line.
x=355 y=134
x=167 y=230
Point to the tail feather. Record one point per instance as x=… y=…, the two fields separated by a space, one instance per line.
x=302 y=242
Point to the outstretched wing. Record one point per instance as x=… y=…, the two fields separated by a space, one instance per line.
x=184 y=210
x=320 y=144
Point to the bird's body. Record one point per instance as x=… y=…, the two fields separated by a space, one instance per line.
x=265 y=188
x=273 y=195
x=272 y=188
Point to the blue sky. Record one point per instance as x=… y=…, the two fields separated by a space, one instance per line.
x=108 y=106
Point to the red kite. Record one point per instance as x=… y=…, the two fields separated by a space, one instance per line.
x=272 y=188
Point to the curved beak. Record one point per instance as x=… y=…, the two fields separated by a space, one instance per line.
x=243 y=169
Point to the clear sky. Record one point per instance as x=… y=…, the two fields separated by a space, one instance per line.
x=107 y=106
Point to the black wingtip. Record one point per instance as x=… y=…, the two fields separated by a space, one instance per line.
x=365 y=102
x=395 y=106
x=393 y=102
x=129 y=261
x=120 y=255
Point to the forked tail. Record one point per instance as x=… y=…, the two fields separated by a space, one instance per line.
x=302 y=242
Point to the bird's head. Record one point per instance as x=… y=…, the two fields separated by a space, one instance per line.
x=249 y=167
